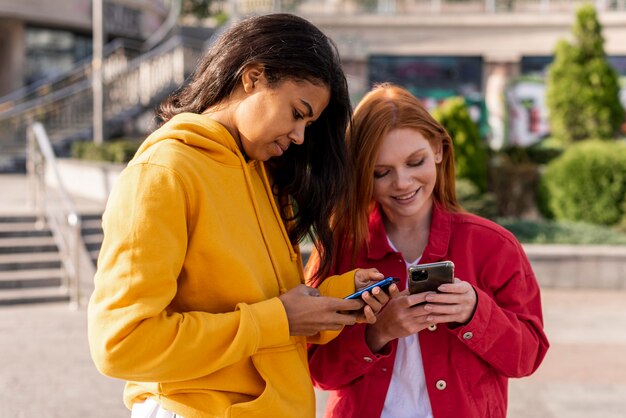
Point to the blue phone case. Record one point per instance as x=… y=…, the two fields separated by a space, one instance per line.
x=383 y=284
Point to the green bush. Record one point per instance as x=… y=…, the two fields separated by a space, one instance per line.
x=550 y=232
x=582 y=89
x=470 y=153
x=118 y=151
x=588 y=183
x=473 y=201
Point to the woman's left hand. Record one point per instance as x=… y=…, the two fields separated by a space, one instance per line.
x=375 y=300
x=456 y=302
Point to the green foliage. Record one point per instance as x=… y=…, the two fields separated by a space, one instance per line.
x=550 y=232
x=588 y=183
x=582 y=88
x=473 y=201
x=119 y=151
x=471 y=157
x=198 y=8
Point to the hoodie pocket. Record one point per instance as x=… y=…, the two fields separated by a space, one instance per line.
x=288 y=390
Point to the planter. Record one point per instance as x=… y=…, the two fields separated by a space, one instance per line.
x=578 y=266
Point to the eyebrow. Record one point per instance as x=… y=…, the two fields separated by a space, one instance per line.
x=308 y=106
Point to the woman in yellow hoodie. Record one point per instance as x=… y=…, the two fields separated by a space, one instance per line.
x=199 y=302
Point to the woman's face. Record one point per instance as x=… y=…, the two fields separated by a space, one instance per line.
x=270 y=119
x=404 y=175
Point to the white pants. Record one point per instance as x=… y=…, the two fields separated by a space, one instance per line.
x=151 y=409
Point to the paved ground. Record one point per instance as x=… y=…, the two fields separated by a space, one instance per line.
x=46 y=371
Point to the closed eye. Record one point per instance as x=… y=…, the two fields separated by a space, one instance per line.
x=416 y=163
x=380 y=174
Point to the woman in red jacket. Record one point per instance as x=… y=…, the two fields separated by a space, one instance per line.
x=444 y=354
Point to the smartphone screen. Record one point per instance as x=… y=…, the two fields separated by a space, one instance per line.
x=383 y=284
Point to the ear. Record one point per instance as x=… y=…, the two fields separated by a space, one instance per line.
x=251 y=76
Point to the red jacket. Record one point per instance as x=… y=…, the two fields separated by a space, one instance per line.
x=466 y=367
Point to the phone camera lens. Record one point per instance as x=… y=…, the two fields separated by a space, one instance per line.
x=419 y=275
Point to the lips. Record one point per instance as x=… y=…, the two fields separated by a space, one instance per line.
x=406 y=196
x=281 y=148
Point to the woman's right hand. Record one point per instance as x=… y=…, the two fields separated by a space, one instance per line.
x=309 y=313
x=399 y=318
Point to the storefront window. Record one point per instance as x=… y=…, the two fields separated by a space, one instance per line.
x=51 y=52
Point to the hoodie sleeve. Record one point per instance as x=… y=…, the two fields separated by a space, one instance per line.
x=133 y=334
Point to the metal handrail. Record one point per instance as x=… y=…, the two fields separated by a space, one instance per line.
x=64 y=219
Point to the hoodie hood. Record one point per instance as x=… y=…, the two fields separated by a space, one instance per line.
x=198 y=131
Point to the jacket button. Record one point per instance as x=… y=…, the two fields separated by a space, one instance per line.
x=441 y=384
x=367 y=359
x=432 y=327
x=384 y=369
x=468 y=335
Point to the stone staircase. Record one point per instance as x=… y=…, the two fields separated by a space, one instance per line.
x=31 y=270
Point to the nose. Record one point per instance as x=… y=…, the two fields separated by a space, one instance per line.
x=402 y=179
x=297 y=134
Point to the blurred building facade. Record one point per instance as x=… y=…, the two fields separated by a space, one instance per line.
x=492 y=52
x=43 y=38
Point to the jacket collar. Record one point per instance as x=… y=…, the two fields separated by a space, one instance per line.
x=438 y=241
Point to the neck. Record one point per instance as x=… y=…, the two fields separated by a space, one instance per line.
x=224 y=113
x=409 y=235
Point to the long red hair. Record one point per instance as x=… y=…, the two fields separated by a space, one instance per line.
x=385 y=108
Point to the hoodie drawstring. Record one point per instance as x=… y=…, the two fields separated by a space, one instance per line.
x=281 y=285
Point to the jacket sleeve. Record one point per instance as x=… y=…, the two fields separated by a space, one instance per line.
x=337 y=286
x=506 y=330
x=344 y=359
x=133 y=334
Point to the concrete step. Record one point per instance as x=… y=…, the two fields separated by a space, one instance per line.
x=22 y=229
x=93 y=238
x=38 y=260
x=27 y=244
x=27 y=278
x=33 y=295
x=17 y=217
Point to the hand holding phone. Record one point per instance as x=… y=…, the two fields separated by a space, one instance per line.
x=428 y=277
x=383 y=284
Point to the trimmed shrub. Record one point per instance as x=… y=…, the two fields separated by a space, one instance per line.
x=582 y=92
x=588 y=183
x=470 y=153
x=550 y=232
x=119 y=151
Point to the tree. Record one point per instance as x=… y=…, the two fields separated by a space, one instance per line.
x=582 y=88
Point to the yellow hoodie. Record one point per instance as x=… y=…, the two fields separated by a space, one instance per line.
x=194 y=256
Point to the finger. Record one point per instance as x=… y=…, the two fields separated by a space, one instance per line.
x=443 y=309
x=394 y=292
x=337 y=304
x=381 y=296
x=372 y=301
x=458 y=286
x=344 y=318
x=417 y=298
x=368 y=316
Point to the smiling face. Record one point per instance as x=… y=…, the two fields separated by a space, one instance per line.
x=405 y=174
x=271 y=118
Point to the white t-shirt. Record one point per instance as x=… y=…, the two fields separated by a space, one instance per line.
x=407 y=395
